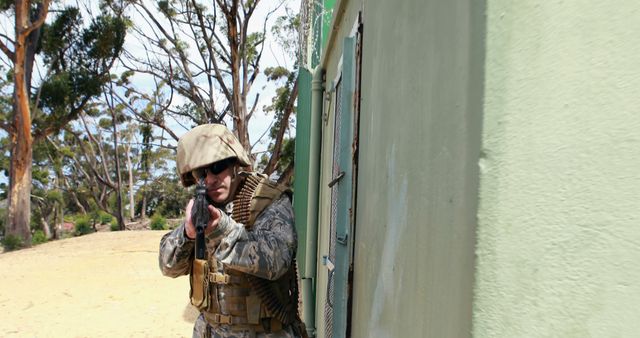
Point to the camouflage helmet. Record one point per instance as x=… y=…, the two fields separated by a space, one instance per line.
x=206 y=144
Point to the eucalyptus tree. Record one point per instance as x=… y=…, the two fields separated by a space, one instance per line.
x=74 y=63
x=208 y=57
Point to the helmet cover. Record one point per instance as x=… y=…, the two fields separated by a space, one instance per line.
x=206 y=144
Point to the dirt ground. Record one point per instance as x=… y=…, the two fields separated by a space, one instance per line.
x=106 y=284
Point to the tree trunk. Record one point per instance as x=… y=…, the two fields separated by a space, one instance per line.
x=19 y=211
x=285 y=178
x=143 y=212
x=57 y=219
x=21 y=150
x=74 y=196
x=45 y=227
x=238 y=103
x=132 y=203
x=119 y=216
x=18 y=215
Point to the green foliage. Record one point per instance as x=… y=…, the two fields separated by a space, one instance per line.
x=54 y=196
x=285 y=30
x=112 y=201
x=35 y=218
x=12 y=242
x=105 y=218
x=4 y=156
x=82 y=226
x=288 y=152
x=105 y=37
x=275 y=73
x=125 y=77
x=38 y=237
x=158 y=222
x=6 y=4
x=254 y=41
x=165 y=8
x=165 y=195
x=93 y=215
x=57 y=92
x=105 y=123
x=114 y=225
x=60 y=34
x=79 y=60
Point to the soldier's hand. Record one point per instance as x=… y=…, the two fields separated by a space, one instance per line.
x=190 y=228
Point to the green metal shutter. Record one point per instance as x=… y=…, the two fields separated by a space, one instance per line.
x=301 y=170
x=341 y=245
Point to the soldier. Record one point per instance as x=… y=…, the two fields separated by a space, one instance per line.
x=246 y=286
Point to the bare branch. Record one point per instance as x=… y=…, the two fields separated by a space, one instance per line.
x=284 y=124
x=211 y=50
x=253 y=107
x=285 y=177
x=6 y=127
x=43 y=10
x=6 y=51
x=142 y=119
x=94 y=171
x=263 y=134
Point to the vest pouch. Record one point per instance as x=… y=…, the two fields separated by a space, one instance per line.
x=253 y=309
x=199 y=280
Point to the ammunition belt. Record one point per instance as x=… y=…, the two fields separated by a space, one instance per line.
x=242 y=201
x=286 y=313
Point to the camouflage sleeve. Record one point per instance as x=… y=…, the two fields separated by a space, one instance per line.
x=266 y=251
x=175 y=253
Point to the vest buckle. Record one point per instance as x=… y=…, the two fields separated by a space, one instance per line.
x=222 y=319
x=219 y=278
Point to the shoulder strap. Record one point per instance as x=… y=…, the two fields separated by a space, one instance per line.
x=266 y=192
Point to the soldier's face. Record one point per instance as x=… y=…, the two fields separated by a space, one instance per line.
x=219 y=185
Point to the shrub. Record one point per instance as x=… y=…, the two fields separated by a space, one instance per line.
x=104 y=217
x=158 y=222
x=83 y=226
x=12 y=242
x=38 y=237
x=114 y=225
x=173 y=223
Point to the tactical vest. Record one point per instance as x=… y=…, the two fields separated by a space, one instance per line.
x=226 y=296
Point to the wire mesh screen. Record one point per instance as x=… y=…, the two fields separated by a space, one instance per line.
x=328 y=308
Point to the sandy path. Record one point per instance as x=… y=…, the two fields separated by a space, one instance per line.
x=106 y=284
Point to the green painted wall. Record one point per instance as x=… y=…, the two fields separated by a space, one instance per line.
x=332 y=68
x=559 y=218
x=417 y=188
x=302 y=181
x=327 y=15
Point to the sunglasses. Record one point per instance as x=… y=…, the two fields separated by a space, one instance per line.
x=215 y=168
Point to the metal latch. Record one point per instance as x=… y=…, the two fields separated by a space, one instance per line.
x=327 y=262
x=335 y=180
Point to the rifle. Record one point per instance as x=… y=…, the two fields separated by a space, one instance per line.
x=200 y=217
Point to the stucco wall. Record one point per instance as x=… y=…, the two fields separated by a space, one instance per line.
x=559 y=217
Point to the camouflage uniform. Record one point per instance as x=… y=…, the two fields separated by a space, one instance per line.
x=266 y=251
x=247 y=277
